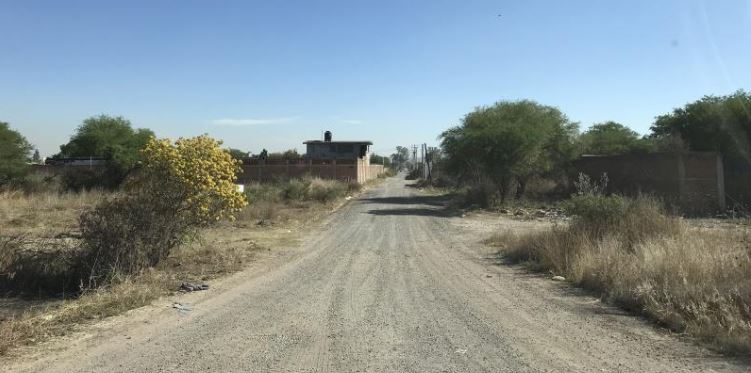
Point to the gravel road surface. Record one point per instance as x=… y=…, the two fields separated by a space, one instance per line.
x=389 y=283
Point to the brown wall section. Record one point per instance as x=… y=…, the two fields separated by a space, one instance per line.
x=738 y=184
x=354 y=170
x=692 y=181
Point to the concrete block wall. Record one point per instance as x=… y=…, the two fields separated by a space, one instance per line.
x=692 y=181
x=344 y=170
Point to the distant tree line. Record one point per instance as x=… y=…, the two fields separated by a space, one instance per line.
x=112 y=138
x=380 y=159
x=400 y=158
x=505 y=145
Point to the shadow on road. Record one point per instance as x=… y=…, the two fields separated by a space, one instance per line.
x=419 y=206
x=410 y=200
x=417 y=211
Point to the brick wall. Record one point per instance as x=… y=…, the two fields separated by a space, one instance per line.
x=692 y=181
x=348 y=170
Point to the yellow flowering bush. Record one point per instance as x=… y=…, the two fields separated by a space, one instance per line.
x=179 y=187
x=194 y=174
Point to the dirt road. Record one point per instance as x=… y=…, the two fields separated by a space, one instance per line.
x=388 y=284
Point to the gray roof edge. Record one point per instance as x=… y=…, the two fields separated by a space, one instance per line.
x=338 y=142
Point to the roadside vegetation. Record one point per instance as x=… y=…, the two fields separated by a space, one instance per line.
x=631 y=253
x=70 y=256
x=508 y=151
x=688 y=276
x=14 y=151
x=283 y=201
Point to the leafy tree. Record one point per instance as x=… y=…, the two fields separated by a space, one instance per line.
x=237 y=153
x=14 y=154
x=508 y=143
x=112 y=138
x=611 y=138
x=378 y=159
x=713 y=123
x=400 y=158
x=36 y=158
x=289 y=154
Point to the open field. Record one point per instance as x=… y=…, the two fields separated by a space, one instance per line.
x=691 y=275
x=48 y=223
x=392 y=282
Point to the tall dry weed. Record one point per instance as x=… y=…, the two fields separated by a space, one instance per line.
x=694 y=281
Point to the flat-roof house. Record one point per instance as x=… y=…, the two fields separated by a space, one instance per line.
x=339 y=160
x=328 y=149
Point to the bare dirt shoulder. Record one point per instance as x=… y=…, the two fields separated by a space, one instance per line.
x=222 y=256
x=390 y=283
x=579 y=317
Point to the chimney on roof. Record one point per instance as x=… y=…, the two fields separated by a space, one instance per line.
x=327 y=136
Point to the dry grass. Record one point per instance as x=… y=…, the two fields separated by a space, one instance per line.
x=292 y=201
x=202 y=260
x=60 y=317
x=271 y=220
x=692 y=280
x=48 y=214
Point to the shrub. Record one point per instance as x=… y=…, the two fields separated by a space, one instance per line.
x=34 y=271
x=483 y=195
x=179 y=188
x=353 y=187
x=281 y=199
x=193 y=176
x=326 y=190
x=9 y=247
x=633 y=220
x=270 y=192
x=40 y=184
x=296 y=189
x=596 y=212
x=78 y=179
x=387 y=172
x=414 y=174
x=315 y=189
x=124 y=235
x=14 y=154
x=637 y=257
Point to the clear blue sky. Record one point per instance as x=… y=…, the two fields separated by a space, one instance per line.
x=274 y=73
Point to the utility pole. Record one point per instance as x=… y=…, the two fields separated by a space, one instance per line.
x=428 y=161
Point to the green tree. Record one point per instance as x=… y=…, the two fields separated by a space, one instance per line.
x=14 y=154
x=378 y=159
x=611 y=138
x=112 y=138
x=713 y=123
x=289 y=154
x=237 y=153
x=36 y=158
x=508 y=143
x=400 y=158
